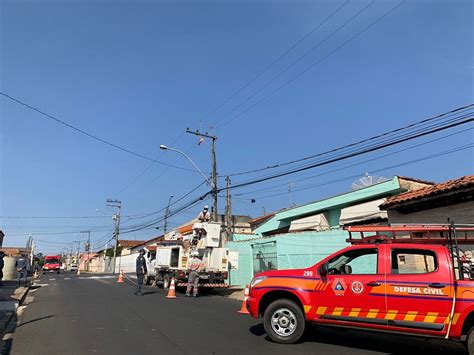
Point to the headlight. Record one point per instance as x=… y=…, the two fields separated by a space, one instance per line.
x=256 y=280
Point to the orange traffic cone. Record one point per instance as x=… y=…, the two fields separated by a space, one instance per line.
x=120 y=278
x=172 y=291
x=243 y=309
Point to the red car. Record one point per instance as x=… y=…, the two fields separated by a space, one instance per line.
x=52 y=263
x=407 y=284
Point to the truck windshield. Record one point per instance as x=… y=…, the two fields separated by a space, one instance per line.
x=51 y=261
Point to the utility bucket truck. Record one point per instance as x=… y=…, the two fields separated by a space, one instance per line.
x=171 y=257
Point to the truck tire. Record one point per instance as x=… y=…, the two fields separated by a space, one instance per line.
x=470 y=341
x=146 y=280
x=166 y=282
x=284 y=321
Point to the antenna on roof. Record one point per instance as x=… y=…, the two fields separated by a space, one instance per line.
x=367 y=180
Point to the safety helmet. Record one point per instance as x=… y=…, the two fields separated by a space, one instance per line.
x=194 y=253
x=206 y=207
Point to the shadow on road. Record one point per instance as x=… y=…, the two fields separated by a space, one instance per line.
x=257 y=330
x=373 y=341
x=36 y=320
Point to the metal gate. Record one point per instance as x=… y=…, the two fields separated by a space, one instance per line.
x=264 y=257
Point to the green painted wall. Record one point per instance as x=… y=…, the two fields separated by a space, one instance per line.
x=294 y=250
x=299 y=250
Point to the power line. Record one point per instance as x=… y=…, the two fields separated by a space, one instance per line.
x=353 y=154
x=405 y=136
x=53 y=217
x=90 y=135
x=355 y=164
x=357 y=14
x=365 y=140
x=259 y=75
x=314 y=64
x=432 y=156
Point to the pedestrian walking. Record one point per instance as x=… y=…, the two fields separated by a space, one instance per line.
x=141 y=271
x=195 y=265
x=2 y=264
x=21 y=267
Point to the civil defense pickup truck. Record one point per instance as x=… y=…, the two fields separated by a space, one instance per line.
x=414 y=280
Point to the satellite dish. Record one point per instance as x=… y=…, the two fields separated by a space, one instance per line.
x=367 y=180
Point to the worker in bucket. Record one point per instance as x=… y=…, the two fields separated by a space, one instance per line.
x=204 y=216
x=141 y=271
x=195 y=265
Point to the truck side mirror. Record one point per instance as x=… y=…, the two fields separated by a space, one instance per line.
x=323 y=270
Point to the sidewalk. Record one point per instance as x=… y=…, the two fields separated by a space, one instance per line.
x=11 y=297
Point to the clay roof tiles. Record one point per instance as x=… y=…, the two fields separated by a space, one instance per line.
x=430 y=191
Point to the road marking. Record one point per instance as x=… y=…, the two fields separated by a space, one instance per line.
x=52 y=279
x=97 y=277
x=67 y=278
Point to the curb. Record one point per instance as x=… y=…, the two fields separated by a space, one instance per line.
x=5 y=320
x=23 y=297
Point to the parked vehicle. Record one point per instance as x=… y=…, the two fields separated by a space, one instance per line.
x=413 y=280
x=73 y=267
x=169 y=259
x=52 y=263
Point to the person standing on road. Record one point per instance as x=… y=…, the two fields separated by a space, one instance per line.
x=141 y=271
x=21 y=265
x=194 y=266
x=2 y=263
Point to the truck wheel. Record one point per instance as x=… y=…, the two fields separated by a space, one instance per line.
x=166 y=282
x=470 y=341
x=146 y=279
x=284 y=321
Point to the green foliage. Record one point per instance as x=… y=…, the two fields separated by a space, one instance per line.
x=110 y=252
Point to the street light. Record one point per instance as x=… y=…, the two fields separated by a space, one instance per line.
x=164 y=147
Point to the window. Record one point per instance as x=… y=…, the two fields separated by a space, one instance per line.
x=354 y=262
x=413 y=261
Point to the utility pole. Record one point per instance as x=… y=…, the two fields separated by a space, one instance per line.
x=88 y=248
x=118 y=206
x=228 y=212
x=214 y=168
x=167 y=212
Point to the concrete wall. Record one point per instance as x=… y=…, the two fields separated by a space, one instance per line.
x=460 y=213
x=127 y=263
x=9 y=270
x=294 y=250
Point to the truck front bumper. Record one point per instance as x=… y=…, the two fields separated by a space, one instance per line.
x=252 y=306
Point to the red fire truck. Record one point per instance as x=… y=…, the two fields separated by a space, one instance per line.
x=52 y=263
x=414 y=280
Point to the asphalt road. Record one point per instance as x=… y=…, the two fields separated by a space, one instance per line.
x=84 y=315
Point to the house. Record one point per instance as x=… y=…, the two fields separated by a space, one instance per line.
x=128 y=245
x=453 y=199
x=298 y=237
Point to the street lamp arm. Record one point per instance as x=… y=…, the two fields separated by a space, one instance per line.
x=163 y=147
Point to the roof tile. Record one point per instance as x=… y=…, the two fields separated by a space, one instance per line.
x=450 y=185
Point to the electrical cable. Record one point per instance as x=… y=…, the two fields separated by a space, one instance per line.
x=432 y=156
x=314 y=64
x=90 y=135
x=298 y=59
x=350 y=155
x=357 y=163
x=372 y=138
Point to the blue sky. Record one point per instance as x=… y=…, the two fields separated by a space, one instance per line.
x=138 y=73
